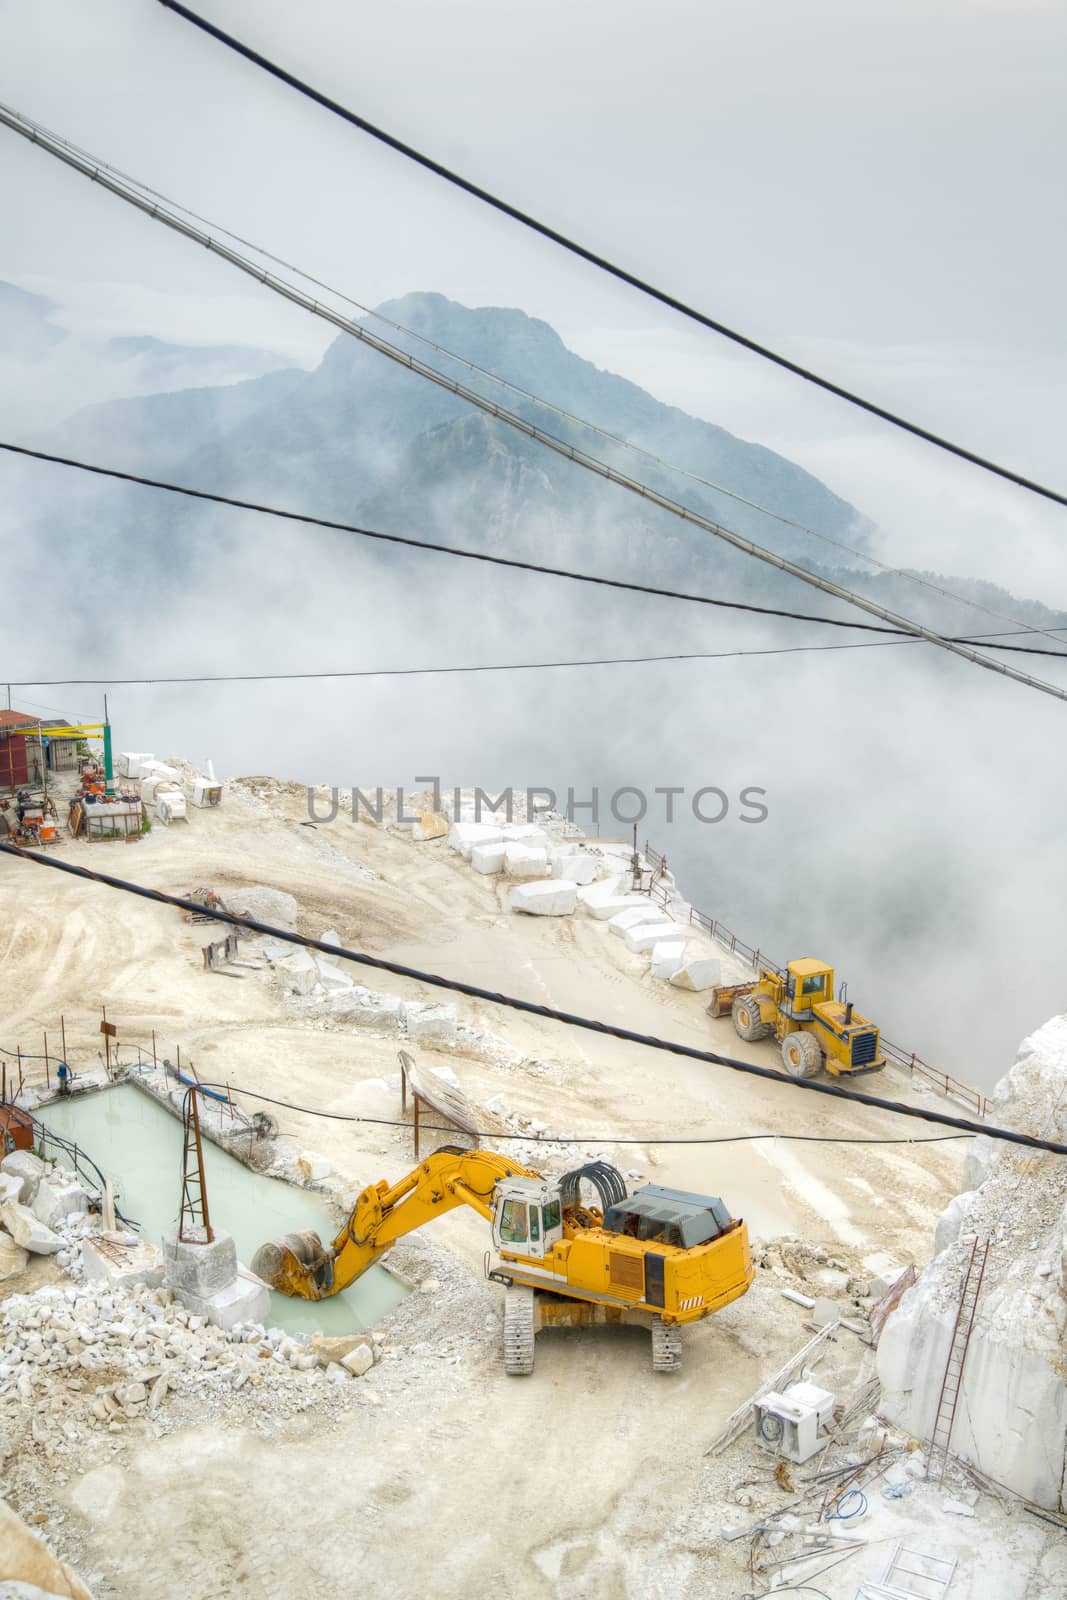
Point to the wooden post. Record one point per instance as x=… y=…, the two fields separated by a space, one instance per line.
x=63 y=1036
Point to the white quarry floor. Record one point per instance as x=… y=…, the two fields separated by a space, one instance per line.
x=589 y=1479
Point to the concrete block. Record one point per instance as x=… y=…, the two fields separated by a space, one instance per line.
x=463 y=836
x=330 y=976
x=527 y=833
x=25 y=1229
x=27 y=1167
x=633 y=914
x=608 y=868
x=359 y=1360
x=667 y=957
x=334 y=1347
x=578 y=866
x=246 y=1299
x=299 y=972
x=365 y=1009
x=107 y=1258
x=11 y=1186
x=646 y=934
x=551 y=897
x=699 y=972
x=436 y=1024
x=55 y=1200
x=199 y=1269
x=314 y=1168
x=488 y=858
x=255 y=900
x=614 y=888
x=824 y=1312
x=520 y=861
x=13 y=1257
x=429 y=826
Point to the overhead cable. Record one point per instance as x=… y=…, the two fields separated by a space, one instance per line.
x=342 y=673
x=596 y=1139
x=39 y=136
x=531 y=1008
x=435 y=548
x=562 y=412
x=622 y=274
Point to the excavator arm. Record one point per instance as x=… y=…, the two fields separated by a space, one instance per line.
x=299 y=1264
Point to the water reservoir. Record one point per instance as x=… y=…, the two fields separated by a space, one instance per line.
x=138 y=1145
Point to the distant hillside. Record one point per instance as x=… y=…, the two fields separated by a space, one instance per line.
x=50 y=371
x=362 y=439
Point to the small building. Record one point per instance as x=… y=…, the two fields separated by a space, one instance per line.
x=21 y=754
x=61 y=753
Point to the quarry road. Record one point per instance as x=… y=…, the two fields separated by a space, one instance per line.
x=542 y=1487
x=73 y=947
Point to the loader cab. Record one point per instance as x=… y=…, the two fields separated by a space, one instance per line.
x=527 y=1217
x=809 y=983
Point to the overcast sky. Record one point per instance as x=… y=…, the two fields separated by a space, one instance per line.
x=876 y=189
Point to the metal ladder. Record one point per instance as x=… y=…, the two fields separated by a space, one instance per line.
x=957 y=1355
x=912 y=1575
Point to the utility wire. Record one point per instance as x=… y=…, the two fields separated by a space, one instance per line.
x=33 y=132
x=549 y=405
x=605 y=265
x=500 y=666
x=588 y=1139
x=531 y=1008
x=425 y=544
x=898 y=635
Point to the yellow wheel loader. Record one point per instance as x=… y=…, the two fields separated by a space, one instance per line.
x=659 y=1257
x=813 y=1028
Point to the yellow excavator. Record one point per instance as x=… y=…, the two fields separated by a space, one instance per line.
x=658 y=1257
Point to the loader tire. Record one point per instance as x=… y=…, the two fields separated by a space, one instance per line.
x=801 y=1055
x=747 y=1020
x=518 y=1331
x=666 y=1346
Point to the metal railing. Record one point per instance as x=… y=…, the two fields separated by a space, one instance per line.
x=754 y=957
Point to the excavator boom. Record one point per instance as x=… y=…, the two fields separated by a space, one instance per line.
x=300 y=1264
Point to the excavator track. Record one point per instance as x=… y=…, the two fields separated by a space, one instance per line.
x=666 y=1346
x=518 y=1331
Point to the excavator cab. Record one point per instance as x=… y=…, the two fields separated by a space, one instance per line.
x=527 y=1216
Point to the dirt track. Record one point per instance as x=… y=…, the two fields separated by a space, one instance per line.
x=587 y=1479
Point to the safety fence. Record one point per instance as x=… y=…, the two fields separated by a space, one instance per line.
x=43 y=1066
x=913 y=1064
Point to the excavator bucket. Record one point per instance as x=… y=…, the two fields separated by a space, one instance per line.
x=296 y=1264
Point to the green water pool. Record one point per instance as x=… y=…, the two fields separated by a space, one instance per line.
x=137 y=1143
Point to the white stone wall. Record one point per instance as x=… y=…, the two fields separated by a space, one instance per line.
x=1011 y=1421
